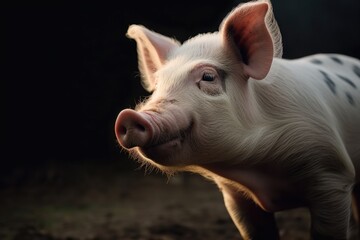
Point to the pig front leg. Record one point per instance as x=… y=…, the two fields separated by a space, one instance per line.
x=356 y=205
x=330 y=209
x=249 y=218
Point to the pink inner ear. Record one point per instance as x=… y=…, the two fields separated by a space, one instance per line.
x=245 y=33
x=153 y=49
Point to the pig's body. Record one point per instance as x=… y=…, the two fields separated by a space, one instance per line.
x=289 y=140
x=304 y=138
x=309 y=116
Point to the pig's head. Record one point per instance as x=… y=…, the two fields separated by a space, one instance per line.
x=200 y=103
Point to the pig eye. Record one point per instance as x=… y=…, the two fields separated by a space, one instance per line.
x=208 y=77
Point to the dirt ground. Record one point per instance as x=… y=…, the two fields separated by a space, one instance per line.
x=103 y=204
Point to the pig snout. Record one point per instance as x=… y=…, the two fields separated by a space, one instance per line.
x=132 y=129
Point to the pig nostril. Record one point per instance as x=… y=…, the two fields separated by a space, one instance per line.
x=122 y=130
x=140 y=127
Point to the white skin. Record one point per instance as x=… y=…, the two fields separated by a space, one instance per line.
x=273 y=134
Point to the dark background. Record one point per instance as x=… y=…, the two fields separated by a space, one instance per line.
x=69 y=69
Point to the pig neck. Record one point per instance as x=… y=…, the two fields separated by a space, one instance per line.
x=249 y=111
x=249 y=101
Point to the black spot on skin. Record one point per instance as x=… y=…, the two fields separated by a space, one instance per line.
x=350 y=98
x=345 y=79
x=329 y=82
x=337 y=60
x=316 y=61
x=356 y=70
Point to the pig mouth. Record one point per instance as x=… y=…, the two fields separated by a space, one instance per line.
x=166 y=145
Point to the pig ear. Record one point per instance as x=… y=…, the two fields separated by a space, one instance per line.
x=245 y=33
x=153 y=49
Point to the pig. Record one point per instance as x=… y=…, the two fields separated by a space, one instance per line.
x=273 y=134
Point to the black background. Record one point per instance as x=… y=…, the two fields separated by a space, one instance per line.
x=69 y=69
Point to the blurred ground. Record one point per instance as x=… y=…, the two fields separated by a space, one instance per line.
x=93 y=202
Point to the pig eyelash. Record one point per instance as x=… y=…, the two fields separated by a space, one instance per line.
x=208 y=77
